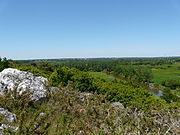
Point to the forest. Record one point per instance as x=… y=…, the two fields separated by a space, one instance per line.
x=148 y=88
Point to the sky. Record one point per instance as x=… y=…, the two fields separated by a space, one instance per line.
x=46 y=29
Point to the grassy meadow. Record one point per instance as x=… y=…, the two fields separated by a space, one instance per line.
x=104 y=76
x=166 y=72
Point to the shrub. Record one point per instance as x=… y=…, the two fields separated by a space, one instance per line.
x=4 y=63
x=33 y=70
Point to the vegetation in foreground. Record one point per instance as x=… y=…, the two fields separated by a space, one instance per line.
x=64 y=113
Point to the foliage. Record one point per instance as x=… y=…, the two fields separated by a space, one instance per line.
x=172 y=84
x=62 y=112
x=62 y=75
x=107 y=77
x=166 y=72
x=135 y=73
x=44 y=67
x=169 y=96
x=124 y=93
x=4 y=63
x=39 y=68
x=33 y=70
x=83 y=82
x=101 y=64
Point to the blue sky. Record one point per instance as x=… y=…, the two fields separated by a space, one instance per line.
x=89 y=28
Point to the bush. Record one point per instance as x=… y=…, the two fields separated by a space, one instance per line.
x=83 y=82
x=33 y=70
x=4 y=63
x=172 y=84
x=169 y=96
x=62 y=75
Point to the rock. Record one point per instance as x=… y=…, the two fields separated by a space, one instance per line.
x=81 y=132
x=117 y=106
x=41 y=114
x=21 y=81
x=4 y=126
x=84 y=96
x=10 y=117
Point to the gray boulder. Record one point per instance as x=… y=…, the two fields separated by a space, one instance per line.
x=10 y=117
x=4 y=126
x=117 y=106
x=21 y=81
x=83 y=96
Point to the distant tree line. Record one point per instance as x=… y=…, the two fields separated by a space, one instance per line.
x=134 y=73
x=101 y=64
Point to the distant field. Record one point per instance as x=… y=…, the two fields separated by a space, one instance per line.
x=160 y=74
x=111 y=78
x=166 y=72
x=108 y=78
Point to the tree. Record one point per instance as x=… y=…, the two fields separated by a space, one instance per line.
x=4 y=63
x=168 y=96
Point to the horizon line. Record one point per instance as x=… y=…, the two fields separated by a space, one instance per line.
x=107 y=57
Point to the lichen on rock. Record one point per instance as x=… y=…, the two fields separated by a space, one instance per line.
x=21 y=81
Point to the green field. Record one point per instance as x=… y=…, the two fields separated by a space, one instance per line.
x=114 y=79
x=160 y=74
x=108 y=78
x=104 y=76
x=167 y=72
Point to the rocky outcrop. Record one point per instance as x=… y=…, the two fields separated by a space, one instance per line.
x=21 y=81
x=8 y=116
